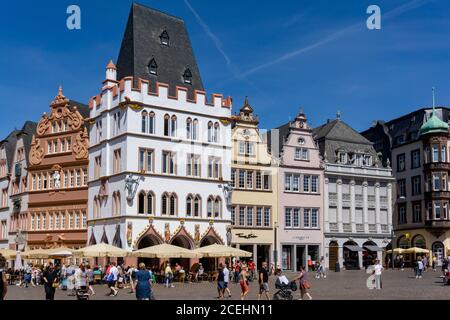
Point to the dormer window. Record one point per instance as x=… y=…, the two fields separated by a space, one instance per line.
x=153 y=67
x=164 y=37
x=342 y=157
x=187 y=76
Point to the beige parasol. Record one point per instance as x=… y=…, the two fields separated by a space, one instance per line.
x=36 y=254
x=397 y=251
x=8 y=253
x=165 y=251
x=218 y=251
x=416 y=250
x=61 y=252
x=100 y=250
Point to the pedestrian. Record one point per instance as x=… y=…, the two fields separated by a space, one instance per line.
x=433 y=263
x=132 y=271
x=3 y=282
x=168 y=273
x=243 y=281
x=263 y=281
x=143 y=284
x=112 y=277
x=420 y=268
x=304 y=283
x=220 y=282
x=81 y=279
x=444 y=267
x=378 y=269
x=387 y=261
x=402 y=263
x=90 y=278
x=226 y=281
x=50 y=282
x=251 y=268
x=237 y=271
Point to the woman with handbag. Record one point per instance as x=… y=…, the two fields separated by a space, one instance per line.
x=304 y=283
x=50 y=282
x=243 y=281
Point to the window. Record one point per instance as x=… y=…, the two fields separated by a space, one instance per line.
x=443 y=154
x=193 y=165
x=85 y=177
x=218 y=207
x=233 y=216
x=314 y=184
x=144 y=122
x=197 y=206
x=153 y=67
x=117 y=161
x=146 y=162
x=437 y=211
x=71 y=220
x=436 y=182
x=444 y=181
x=98 y=132
x=258 y=180
x=210 y=131
x=402 y=214
x=314 y=218
x=266 y=181
x=415 y=159
x=141 y=203
x=416 y=185
x=83 y=218
x=295 y=183
x=342 y=156
x=250 y=216
x=445 y=210
x=116 y=124
x=189 y=128
x=301 y=154
x=150 y=203
x=164 y=204
x=259 y=216
x=151 y=123
x=173 y=126
x=164 y=38
x=233 y=178
x=306 y=218
x=78 y=178
x=168 y=164
x=417 y=212
x=214 y=168
x=249 y=179
x=97 y=167
x=241 y=216
x=241 y=179
x=401 y=162
x=195 y=130
x=296 y=218
x=246 y=148
x=288 y=217
x=216 y=133
x=173 y=203
x=77 y=220
x=166 y=125
x=267 y=217
x=401 y=188
x=435 y=153
x=210 y=208
x=187 y=76
x=189 y=206
x=306 y=183
x=63 y=220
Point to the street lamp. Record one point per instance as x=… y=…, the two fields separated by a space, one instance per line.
x=275 y=248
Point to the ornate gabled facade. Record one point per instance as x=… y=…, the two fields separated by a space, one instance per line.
x=255 y=188
x=58 y=177
x=159 y=158
x=300 y=196
x=419 y=153
x=357 y=197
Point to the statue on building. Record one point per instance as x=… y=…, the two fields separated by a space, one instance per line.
x=131 y=185
x=167 y=232
x=228 y=193
x=129 y=233
x=57 y=179
x=229 y=236
x=197 y=234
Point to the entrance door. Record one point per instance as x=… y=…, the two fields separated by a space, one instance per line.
x=438 y=251
x=263 y=252
x=300 y=257
x=333 y=255
x=286 y=258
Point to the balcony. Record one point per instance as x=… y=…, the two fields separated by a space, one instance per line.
x=437 y=166
x=437 y=194
x=438 y=224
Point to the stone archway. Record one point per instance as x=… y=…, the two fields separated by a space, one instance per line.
x=351 y=255
x=333 y=255
x=182 y=239
x=148 y=239
x=210 y=237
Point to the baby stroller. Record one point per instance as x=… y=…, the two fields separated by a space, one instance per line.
x=82 y=293
x=284 y=290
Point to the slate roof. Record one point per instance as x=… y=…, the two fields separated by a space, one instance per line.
x=337 y=135
x=28 y=130
x=141 y=43
x=10 y=145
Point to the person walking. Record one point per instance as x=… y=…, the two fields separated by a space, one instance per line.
x=237 y=271
x=3 y=282
x=81 y=279
x=220 y=282
x=50 y=282
x=226 y=281
x=377 y=270
x=168 y=273
x=263 y=281
x=112 y=277
x=433 y=263
x=304 y=284
x=420 y=268
x=90 y=279
x=243 y=281
x=143 y=283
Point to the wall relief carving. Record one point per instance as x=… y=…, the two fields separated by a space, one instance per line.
x=81 y=145
x=36 y=152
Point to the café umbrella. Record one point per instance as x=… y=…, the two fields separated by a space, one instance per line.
x=165 y=251
x=8 y=253
x=416 y=250
x=100 y=250
x=219 y=251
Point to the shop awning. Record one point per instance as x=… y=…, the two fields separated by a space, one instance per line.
x=354 y=248
x=373 y=248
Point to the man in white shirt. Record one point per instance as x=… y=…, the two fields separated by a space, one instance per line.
x=226 y=279
x=112 y=279
x=378 y=268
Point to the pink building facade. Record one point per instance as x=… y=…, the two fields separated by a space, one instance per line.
x=300 y=174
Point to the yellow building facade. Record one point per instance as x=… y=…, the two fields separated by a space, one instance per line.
x=255 y=189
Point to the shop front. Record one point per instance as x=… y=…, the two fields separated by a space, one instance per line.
x=295 y=256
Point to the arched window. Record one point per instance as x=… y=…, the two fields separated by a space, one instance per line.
x=150 y=203
x=164 y=37
x=195 y=129
x=187 y=76
x=197 y=206
x=153 y=67
x=164 y=205
x=419 y=242
x=189 y=128
x=113 y=204
x=210 y=131
x=173 y=126
x=189 y=206
x=404 y=243
x=151 y=122
x=217 y=207
x=166 y=125
x=144 y=122
x=210 y=207
x=173 y=203
x=141 y=203
x=118 y=204
x=216 y=132
x=95 y=207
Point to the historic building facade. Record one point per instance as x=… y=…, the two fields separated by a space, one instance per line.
x=58 y=177
x=418 y=149
x=7 y=147
x=300 y=196
x=357 y=197
x=18 y=188
x=160 y=152
x=255 y=188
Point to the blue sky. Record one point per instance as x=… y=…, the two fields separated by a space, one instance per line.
x=315 y=54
